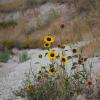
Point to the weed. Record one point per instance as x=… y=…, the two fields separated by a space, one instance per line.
x=4 y=56
x=8 y=24
x=55 y=82
x=23 y=56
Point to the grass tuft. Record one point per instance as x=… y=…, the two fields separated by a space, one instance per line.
x=23 y=56
x=4 y=56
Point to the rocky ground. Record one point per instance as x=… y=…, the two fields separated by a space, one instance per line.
x=13 y=72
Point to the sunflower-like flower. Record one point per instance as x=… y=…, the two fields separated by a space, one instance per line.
x=49 y=39
x=64 y=59
x=52 y=71
x=52 y=54
x=29 y=87
x=47 y=45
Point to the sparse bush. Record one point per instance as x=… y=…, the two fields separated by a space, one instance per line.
x=4 y=56
x=8 y=24
x=34 y=3
x=57 y=82
x=9 y=44
x=31 y=3
x=23 y=56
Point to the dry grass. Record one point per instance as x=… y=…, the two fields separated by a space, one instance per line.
x=63 y=84
x=73 y=31
x=92 y=49
x=12 y=5
x=23 y=4
x=77 y=29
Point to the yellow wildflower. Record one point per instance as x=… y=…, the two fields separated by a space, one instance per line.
x=52 y=54
x=52 y=71
x=29 y=87
x=47 y=45
x=49 y=39
x=64 y=60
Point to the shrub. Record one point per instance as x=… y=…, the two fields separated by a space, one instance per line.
x=8 y=24
x=34 y=3
x=4 y=56
x=9 y=44
x=23 y=56
x=56 y=82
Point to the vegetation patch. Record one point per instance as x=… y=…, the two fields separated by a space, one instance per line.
x=8 y=24
x=55 y=81
x=23 y=56
x=4 y=56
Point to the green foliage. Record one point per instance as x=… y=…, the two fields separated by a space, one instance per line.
x=34 y=3
x=43 y=92
x=23 y=56
x=9 y=44
x=54 y=82
x=8 y=24
x=4 y=56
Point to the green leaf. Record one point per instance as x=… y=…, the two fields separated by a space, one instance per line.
x=46 y=54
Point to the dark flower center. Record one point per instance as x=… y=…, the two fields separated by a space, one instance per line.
x=52 y=70
x=46 y=44
x=63 y=59
x=52 y=55
x=59 y=45
x=74 y=50
x=49 y=39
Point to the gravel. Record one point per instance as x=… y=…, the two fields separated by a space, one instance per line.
x=12 y=73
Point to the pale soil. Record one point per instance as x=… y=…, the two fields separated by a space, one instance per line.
x=12 y=73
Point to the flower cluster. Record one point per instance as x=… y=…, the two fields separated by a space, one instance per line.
x=48 y=40
x=56 y=78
